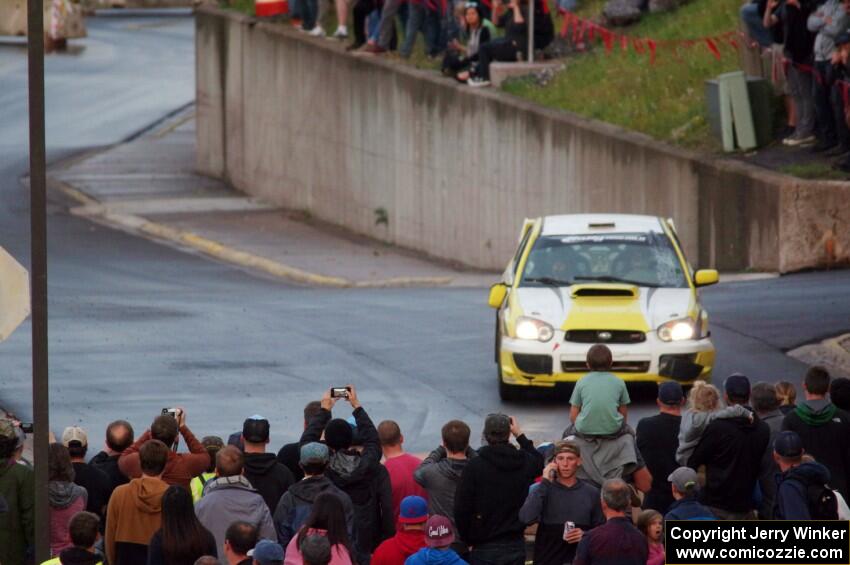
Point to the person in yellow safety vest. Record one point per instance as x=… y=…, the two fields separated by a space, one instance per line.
x=84 y=530
x=212 y=444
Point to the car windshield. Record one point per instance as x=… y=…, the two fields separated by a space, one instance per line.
x=643 y=259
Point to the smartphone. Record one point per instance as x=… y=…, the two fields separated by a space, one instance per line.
x=170 y=412
x=339 y=392
x=26 y=428
x=568 y=527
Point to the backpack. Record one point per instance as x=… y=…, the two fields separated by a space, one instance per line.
x=823 y=504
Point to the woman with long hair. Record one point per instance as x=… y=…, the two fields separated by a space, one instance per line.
x=65 y=498
x=182 y=538
x=327 y=518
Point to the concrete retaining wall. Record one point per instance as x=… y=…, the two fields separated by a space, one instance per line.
x=299 y=122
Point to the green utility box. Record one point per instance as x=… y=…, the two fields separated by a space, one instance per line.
x=761 y=109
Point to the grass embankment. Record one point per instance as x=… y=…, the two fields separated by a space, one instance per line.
x=665 y=100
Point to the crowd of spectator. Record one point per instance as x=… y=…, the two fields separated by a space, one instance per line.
x=809 y=44
x=347 y=492
x=468 y=35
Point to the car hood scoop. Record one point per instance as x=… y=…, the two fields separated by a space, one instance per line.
x=578 y=291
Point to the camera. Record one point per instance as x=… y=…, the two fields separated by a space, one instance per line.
x=339 y=392
x=170 y=412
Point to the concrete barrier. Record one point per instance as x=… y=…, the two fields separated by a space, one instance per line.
x=299 y=122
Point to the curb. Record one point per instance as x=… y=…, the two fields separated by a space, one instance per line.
x=227 y=254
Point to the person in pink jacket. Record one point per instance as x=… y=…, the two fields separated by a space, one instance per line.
x=65 y=498
x=651 y=524
x=327 y=518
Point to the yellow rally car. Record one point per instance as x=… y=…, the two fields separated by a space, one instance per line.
x=621 y=280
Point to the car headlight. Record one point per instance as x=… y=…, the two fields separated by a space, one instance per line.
x=677 y=330
x=530 y=328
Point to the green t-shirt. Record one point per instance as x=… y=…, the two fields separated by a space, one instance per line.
x=599 y=395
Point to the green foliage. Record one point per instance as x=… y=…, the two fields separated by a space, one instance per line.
x=820 y=171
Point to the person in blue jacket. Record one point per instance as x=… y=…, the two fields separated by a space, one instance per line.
x=439 y=535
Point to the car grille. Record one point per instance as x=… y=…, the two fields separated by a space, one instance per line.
x=617 y=367
x=533 y=364
x=616 y=336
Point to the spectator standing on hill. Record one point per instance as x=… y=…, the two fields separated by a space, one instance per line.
x=492 y=490
x=239 y=539
x=17 y=489
x=828 y=21
x=684 y=486
x=792 y=16
x=354 y=471
x=297 y=503
x=135 y=509
x=327 y=518
x=731 y=450
x=439 y=539
x=752 y=14
x=84 y=531
x=182 y=538
x=617 y=541
x=65 y=497
x=213 y=445
x=600 y=399
x=802 y=492
x=119 y=436
x=181 y=467
x=409 y=539
x=440 y=473
x=559 y=498
x=97 y=484
x=824 y=428
x=766 y=406
x=839 y=389
x=290 y=454
x=265 y=473
x=657 y=440
x=424 y=16
x=399 y=465
x=787 y=395
x=231 y=498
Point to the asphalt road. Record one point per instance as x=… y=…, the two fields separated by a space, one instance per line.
x=136 y=326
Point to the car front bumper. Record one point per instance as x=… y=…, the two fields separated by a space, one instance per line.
x=532 y=363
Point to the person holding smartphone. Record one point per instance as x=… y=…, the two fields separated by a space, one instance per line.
x=562 y=506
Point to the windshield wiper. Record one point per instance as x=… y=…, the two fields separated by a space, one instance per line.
x=610 y=279
x=548 y=281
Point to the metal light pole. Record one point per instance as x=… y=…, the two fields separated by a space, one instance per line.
x=531 y=6
x=38 y=251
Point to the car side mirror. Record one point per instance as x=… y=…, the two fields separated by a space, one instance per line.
x=497 y=295
x=706 y=277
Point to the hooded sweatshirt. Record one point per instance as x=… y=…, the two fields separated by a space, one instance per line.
x=825 y=431
x=791 y=492
x=297 y=503
x=433 y=556
x=66 y=499
x=399 y=547
x=268 y=476
x=17 y=523
x=492 y=489
x=229 y=499
x=731 y=450
x=440 y=476
x=133 y=516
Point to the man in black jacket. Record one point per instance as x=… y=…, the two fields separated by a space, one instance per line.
x=491 y=492
x=119 y=436
x=731 y=450
x=263 y=470
x=824 y=428
x=657 y=441
x=354 y=471
x=290 y=454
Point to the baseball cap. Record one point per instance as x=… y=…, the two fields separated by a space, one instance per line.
x=74 y=433
x=737 y=385
x=267 y=551
x=256 y=429
x=788 y=444
x=314 y=452
x=670 y=392
x=438 y=531
x=497 y=426
x=684 y=479
x=413 y=510
x=566 y=447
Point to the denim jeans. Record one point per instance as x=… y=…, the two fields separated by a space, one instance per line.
x=309 y=13
x=821 y=90
x=800 y=85
x=499 y=553
x=422 y=19
x=755 y=26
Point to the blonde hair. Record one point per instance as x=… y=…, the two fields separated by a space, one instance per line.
x=786 y=393
x=704 y=397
